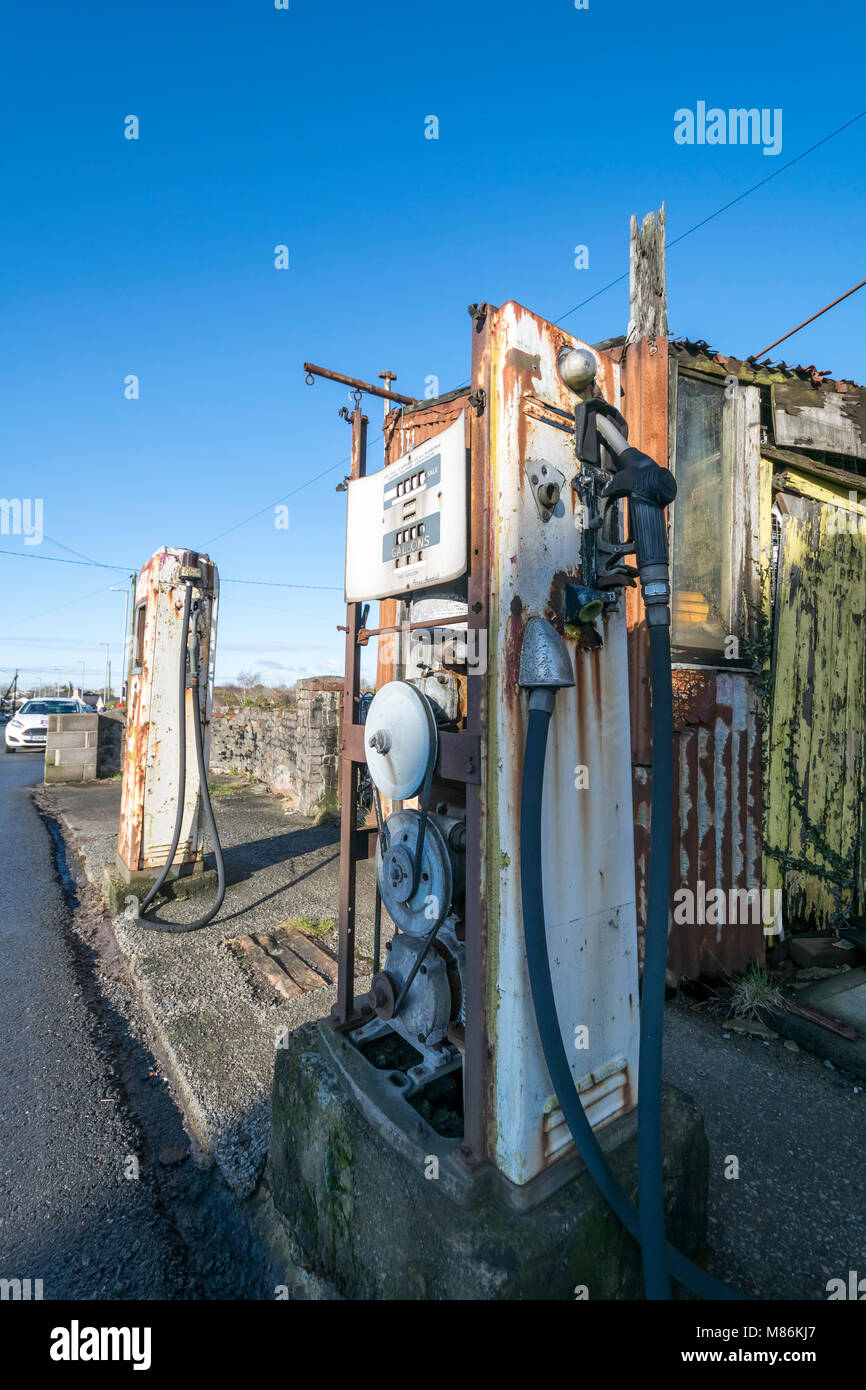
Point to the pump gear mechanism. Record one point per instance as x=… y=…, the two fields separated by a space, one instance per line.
x=420 y=857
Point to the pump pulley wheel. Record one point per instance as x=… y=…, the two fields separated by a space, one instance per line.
x=400 y=739
x=419 y=913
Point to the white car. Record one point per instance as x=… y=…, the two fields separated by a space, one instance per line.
x=28 y=727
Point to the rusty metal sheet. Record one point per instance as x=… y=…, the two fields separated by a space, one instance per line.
x=717 y=819
x=406 y=429
x=645 y=377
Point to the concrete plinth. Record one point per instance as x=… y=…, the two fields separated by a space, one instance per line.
x=183 y=881
x=357 y=1205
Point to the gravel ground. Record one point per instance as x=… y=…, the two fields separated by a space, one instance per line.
x=795 y=1217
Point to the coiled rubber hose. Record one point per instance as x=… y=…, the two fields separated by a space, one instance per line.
x=544 y=1003
x=141 y=920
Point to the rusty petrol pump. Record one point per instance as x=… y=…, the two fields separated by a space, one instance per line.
x=165 y=804
x=494 y=541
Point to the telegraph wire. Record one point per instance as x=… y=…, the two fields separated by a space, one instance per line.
x=724 y=208
x=267 y=583
x=68 y=549
x=57 y=560
x=278 y=584
x=47 y=612
x=270 y=505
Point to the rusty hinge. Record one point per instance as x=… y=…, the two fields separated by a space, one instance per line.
x=478 y=399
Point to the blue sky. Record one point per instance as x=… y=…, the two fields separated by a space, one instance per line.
x=305 y=127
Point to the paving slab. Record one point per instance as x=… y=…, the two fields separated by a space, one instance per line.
x=842 y=997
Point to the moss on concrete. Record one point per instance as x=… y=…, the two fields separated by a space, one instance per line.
x=116 y=887
x=367 y=1220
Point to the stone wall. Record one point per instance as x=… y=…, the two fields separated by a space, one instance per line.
x=294 y=751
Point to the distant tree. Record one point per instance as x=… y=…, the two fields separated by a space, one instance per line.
x=248 y=680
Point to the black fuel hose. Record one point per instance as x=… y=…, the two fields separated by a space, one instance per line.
x=544 y=1003
x=650 y=1153
x=140 y=919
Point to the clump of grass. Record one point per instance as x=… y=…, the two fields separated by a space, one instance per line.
x=223 y=788
x=312 y=926
x=755 y=995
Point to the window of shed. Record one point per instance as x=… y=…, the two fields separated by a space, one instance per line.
x=704 y=588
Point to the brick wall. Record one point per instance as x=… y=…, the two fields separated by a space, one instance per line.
x=294 y=751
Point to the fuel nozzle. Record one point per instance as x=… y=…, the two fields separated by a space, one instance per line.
x=649 y=489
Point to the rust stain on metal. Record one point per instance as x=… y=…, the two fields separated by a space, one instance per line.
x=694 y=696
x=520 y=362
x=513 y=644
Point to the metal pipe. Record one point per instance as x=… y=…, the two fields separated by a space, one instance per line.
x=115 y=589
x=312 y=370
x=811 y=319
x=365 y=633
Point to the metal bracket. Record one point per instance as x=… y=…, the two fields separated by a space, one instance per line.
x=547 y=484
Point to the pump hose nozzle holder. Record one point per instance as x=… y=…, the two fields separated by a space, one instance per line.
x=647 y=487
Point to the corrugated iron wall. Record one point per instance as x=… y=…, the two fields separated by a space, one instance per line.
x=717 y=818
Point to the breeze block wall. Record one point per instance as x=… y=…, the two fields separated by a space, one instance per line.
x=83 y=747
x=294 y=751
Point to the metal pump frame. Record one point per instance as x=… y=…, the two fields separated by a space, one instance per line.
x=460 y=751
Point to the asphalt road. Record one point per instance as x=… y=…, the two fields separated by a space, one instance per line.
x=72 y=1213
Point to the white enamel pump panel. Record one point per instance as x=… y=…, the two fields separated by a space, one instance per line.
x=588 y=854
x=406 y=524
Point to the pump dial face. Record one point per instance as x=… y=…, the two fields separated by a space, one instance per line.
x=400 y=739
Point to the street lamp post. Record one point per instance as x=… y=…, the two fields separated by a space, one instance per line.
x=107 y=646
x=124 y=665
